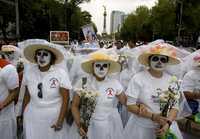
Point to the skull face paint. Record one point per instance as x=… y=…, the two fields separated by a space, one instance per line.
x=101 y=69
x=43 y=57
x=158 y=62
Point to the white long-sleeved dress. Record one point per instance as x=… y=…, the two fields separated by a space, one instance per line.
x=105 y=122
x=8 y=81
x=41 y=113
x=146 y=89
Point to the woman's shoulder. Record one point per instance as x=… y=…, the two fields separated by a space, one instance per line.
x=113 y=81
x=192 y=73
x=58 y=70
x=140 y=75
x=30 y=68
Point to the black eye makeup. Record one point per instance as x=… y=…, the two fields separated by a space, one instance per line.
x=38 y=53
x=105 y=65
x=97 y=65
x=161 y=59
x=45 y=54
x=101 y=66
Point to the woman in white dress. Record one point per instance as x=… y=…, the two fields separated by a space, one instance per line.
x=47 y=92
x=144 y=95
x=191 y=85
x=105 y=122
x=9 y=83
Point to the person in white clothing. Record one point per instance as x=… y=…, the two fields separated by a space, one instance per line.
x=145 y=93
x=105 y=122
x=191 y=85
x=47 y=92
x=12 y=54
x=9 y=83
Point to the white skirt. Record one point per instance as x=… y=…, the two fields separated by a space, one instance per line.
x=8 y=129
x=134 y=130
x=109 y=128
x=38 y=122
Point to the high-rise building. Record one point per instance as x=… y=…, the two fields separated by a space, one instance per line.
x=117 y=18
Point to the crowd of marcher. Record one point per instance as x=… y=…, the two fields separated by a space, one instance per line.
x=142 y=90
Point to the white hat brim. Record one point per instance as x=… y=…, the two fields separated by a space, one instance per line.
x=29 y=52
x=144 y=59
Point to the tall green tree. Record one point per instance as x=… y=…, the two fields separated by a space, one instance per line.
x=7 y=16
x=164 y=20
x=38 y=17
x=190 y=18
x=137 y=25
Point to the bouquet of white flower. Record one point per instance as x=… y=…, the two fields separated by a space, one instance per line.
x=167 y=100
x=170 y=97
x=87 y=107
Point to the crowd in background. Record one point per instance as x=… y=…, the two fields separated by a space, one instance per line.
x=39 y=82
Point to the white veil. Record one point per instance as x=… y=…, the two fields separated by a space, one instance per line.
x=177 y=70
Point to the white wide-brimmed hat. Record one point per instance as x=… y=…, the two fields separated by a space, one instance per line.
x=87 y=65
x=32 y=45
x=8 y=48
x=159 y=49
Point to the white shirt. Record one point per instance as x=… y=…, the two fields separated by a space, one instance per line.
x=8 y=81
x=191 y=81
x=51 y=81
x=107 y=89
x=144 y=88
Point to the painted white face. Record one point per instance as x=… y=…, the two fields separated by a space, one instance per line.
x=158 y=62
x=101 y=69
x=43 y=57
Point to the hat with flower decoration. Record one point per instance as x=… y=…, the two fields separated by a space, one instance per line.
x=159 y=49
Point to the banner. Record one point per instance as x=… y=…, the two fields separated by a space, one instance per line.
x=61 y=37
x=89 y=33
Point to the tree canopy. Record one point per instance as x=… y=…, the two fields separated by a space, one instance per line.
x=162 y=21
x=38 y=17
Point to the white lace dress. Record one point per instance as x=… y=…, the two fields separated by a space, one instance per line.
x=105 y=122
x=144 y=89
x=41 y=113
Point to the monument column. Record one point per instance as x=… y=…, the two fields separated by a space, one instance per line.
x=104 y=21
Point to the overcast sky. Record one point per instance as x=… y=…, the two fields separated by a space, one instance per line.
x=95 y=7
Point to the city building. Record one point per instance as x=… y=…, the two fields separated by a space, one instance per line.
x=116 y=21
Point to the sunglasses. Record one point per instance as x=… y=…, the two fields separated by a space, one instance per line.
x=101 y=66
x=40 y=95
x=159 y=58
